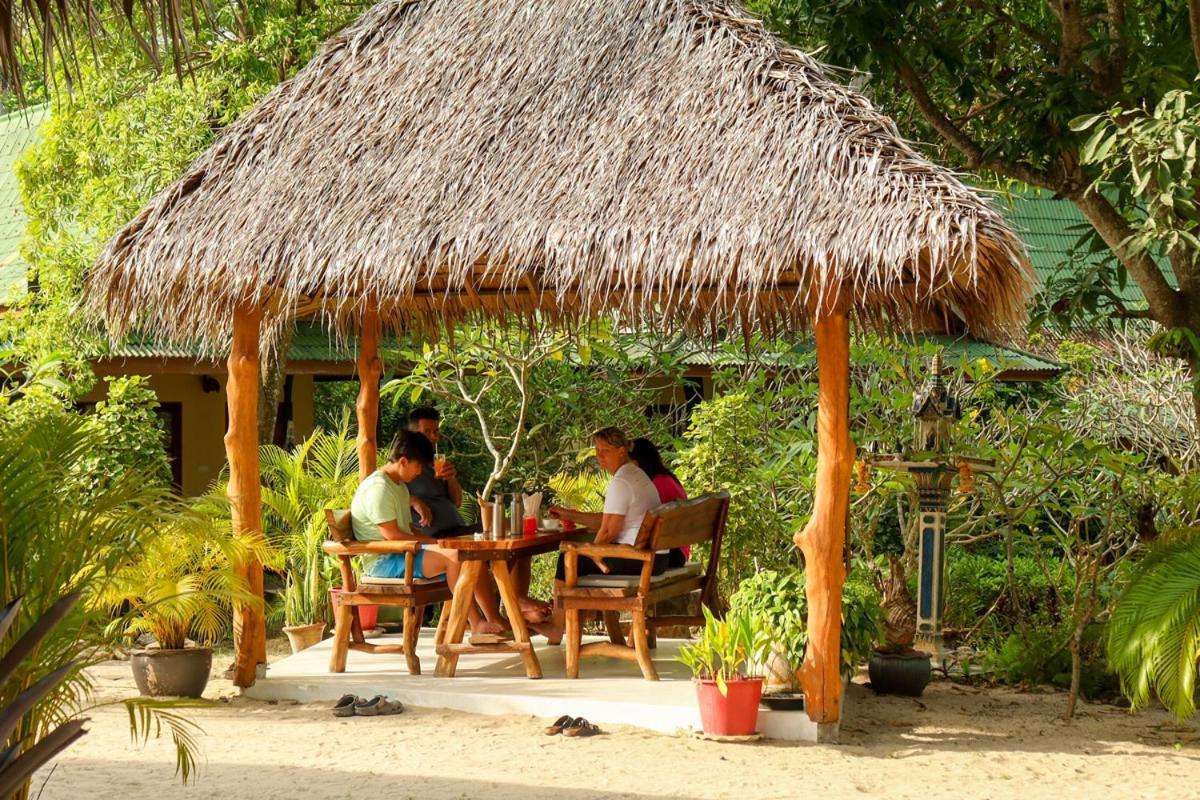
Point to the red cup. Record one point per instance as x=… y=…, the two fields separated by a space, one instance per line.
x=568 y=524
x=530 y=527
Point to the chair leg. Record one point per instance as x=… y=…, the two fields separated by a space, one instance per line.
x=443 y=618
x=343 y=619
x=412 y=629
x=642 y=646
x=356 y=629
x=574 y=634
x=612 y=621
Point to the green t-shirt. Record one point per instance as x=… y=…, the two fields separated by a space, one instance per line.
x=379 y=499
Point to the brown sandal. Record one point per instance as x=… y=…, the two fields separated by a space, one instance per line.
x=559 y=725
x=580 y=727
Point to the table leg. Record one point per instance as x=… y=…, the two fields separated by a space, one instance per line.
x=508 y=593
x=464 y=596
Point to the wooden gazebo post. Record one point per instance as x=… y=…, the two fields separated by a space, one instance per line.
x=821 y=541
x=370 y=369
x=245 y=496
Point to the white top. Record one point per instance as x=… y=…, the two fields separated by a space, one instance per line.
x=632 y=494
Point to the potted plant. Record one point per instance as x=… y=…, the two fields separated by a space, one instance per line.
x=182 y=587
x=722 y=660
x=776 y=598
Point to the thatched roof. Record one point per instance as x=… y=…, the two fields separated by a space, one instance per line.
x=664 y=158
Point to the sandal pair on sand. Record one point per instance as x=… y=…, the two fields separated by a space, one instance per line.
x=572 y=726
x=350 y=705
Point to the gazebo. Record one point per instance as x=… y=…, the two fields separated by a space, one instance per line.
x=669 y=161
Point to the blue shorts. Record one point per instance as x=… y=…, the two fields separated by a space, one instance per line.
x=391 y=565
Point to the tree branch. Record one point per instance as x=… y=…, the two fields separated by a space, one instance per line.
x=1165 y=303
x=956 y=136
x=1073 y=34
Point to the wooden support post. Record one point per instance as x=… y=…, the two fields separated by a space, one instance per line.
x=821 y=541
x=370 y=369
x=241 y=448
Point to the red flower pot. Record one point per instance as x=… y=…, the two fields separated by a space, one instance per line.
x=732 y=714
x=368 y=616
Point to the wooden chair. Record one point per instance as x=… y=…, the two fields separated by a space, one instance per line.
x=411 y=594
x=683 y=522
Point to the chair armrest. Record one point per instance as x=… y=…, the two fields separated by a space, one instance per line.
x=356 y=548
x=607 y=550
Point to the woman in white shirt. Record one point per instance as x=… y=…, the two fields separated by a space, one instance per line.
x=630 y=495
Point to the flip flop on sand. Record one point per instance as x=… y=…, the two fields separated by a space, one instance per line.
x=580 y=727
x=377 y=706
x=558 y=725
x=345 y=705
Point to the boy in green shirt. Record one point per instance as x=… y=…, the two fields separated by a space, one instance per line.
x=381 y=510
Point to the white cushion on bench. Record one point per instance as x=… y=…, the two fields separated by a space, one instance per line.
x=692 y=569
x=375 y=581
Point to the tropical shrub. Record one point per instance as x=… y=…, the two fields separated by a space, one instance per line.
x=776 y=599
x=58 y=541
x=298 y=485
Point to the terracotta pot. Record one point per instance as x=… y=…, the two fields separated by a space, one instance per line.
x=367 y=615
x=899 y=673
x=172 y=673
x=733 y=714
x=302 y=637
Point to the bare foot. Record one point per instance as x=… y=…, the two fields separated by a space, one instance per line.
x=550 y=629
x=484 y=626
x=534 y=611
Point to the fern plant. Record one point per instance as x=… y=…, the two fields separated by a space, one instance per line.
x=1154 y=632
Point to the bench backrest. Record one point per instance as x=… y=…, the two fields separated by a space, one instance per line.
x=686 y=522
x=340 y=527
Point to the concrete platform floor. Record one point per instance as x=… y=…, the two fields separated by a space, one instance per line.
x=608 y=690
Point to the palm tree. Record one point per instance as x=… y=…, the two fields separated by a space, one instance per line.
x=1154 y=633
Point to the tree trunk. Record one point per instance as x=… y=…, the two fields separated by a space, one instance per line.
x=370 y=368
x=821 y=541
x=272 y=376
x=241 y=448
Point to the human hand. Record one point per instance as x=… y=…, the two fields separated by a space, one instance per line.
x=444 y=470
x=424 y=514
x=558 y=512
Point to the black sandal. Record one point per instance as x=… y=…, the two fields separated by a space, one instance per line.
x=559 y=725
x=580 y=727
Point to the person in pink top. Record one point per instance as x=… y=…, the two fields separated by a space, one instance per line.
x=646 y=455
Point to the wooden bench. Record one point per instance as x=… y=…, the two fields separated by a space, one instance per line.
x=677 y=524
x=411 y=594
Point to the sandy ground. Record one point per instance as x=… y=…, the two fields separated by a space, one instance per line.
x=956 y=741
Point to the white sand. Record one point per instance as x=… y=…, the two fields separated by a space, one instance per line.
x=957 y=742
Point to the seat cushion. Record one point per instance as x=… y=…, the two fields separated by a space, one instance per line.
x=370 y=580
x=692 y=569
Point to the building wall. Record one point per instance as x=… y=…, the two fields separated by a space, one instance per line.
x=202 y=428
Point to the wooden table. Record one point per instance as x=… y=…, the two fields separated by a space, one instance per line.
x=473 y=554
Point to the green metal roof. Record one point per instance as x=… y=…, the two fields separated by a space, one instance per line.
x=311 y=342
x=1008 y=361
x=1051 y=230
x=18 y=130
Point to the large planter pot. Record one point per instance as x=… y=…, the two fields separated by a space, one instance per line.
x=367 y=615
x=302 y=637
x=732 y=714
x=172 y=673
x=899 y=673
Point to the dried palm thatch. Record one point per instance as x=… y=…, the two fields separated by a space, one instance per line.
x=666 y=159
